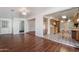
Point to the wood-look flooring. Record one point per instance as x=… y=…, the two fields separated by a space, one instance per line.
x=31 y=43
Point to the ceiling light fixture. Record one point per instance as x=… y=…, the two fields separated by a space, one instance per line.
x=64 y=17
x=78 y=20
x=62 y=21
x=24 y=11
x=69 y=20
x=54 y=23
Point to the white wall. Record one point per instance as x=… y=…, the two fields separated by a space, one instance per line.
x=16 y=24
x=8 y=29
x=39 y=26
x=26 y=26
x=16 y=28
x=31 y=25
x=39 y=19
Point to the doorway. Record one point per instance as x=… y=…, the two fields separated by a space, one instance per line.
x=51 y=27
x=21 y=27
x=45 y=26
x=31 y=26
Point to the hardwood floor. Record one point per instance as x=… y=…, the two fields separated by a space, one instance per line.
x=31 y=43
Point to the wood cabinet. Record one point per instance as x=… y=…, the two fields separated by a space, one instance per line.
x=75 y=34
x=56 y=25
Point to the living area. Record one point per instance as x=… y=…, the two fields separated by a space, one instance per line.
x=50 y=29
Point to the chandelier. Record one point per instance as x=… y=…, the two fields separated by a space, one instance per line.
x=24 y=11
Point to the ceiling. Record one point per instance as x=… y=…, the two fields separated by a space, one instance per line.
x=69 y=13
x=14 y=11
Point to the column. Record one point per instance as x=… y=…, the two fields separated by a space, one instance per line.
x=48 y=32
x=39 y=26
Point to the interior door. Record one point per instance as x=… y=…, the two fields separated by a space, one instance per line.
x=5 y=26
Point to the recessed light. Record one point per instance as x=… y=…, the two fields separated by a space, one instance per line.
x=69 y=20
x=12 y=10
x=78 y=20
x=64 y=17
x=62 y=21
x=54 y=23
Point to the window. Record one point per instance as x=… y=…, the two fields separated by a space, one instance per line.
x=4 y=24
